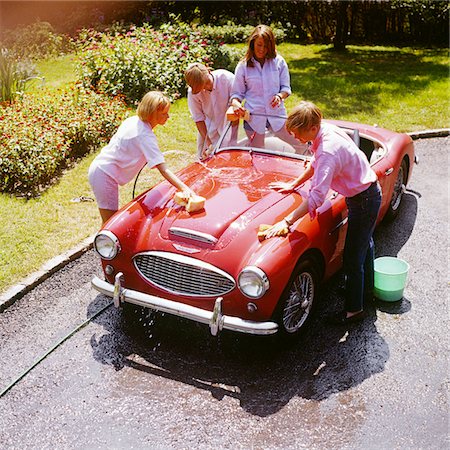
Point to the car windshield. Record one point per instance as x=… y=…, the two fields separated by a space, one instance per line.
x=236 y=137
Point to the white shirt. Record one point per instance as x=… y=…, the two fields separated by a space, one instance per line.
x=257 y=85
x=133 y=145
x=211 y=106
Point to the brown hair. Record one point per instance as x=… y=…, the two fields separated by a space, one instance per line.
x=304 y=116
x=266 y=33
x=196 y=74
x=152 y=101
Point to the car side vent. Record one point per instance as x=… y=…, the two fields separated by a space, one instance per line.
x=182 y=275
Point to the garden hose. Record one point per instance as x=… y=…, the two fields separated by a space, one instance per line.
x=61 y=341
x=135 y=180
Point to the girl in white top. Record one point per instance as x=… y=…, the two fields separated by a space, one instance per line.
x=208 y=96
x=262 y=79
x=133 y=145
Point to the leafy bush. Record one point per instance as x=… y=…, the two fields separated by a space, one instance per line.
x=14 y=76
x=232 y=33
x=35 y=41
x=144 y=59
x=41 y=135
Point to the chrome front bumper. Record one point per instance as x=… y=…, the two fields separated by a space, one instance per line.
x=215 y=319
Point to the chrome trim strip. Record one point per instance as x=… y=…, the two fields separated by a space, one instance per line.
x=188 y=312
x=340 y=224
x=191 y=234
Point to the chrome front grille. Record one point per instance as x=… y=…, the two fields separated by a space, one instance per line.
x=179 y=274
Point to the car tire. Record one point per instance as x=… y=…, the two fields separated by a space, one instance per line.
x=397 y=194
x=297 y=302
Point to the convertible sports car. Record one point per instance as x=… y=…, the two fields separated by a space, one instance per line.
x=209 y=266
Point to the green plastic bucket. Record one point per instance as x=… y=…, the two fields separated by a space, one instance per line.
x=390 y=278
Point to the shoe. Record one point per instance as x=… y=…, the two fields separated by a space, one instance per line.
x=341 y=318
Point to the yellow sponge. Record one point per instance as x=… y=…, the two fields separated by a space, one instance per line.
x=195 y=203
x=264 y=227
x=181 y=198
x=192 y=203
x=231 y=116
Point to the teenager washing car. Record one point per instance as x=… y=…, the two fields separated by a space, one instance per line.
x=208 y=95
x=133 y=145
x=262 y=79
x=337 y=163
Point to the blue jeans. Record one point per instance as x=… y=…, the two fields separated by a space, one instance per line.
x=359 y=247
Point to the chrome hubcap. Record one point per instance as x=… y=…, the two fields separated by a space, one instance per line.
x=399 y=188
x=299 y=302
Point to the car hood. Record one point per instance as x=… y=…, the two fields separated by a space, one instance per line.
x=236 y=191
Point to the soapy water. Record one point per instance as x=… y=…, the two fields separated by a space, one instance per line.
x=233 y=175
x=227 y=176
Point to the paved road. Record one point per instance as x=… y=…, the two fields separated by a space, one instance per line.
x=382 y=384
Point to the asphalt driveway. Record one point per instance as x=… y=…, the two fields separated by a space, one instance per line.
x=380 y=384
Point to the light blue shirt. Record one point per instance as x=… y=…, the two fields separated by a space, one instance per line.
x=257 y=85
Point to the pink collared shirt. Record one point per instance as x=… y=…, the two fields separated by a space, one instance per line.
x=339 y=165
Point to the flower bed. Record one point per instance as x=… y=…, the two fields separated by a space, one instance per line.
x=143 y=59
x=41 y=135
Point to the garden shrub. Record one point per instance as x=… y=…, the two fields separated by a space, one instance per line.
x=14 y=75
x=145 y=59
x=232 y=33
x=35 y=41
x=42 y=134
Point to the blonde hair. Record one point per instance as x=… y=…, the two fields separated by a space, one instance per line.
x=266 y=33
x=304 y=116
x=196 y=74
x=151 y=102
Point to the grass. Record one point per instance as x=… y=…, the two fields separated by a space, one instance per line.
x=57 y=72
x=402 y=89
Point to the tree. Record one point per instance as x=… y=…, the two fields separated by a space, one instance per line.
x=342 y=22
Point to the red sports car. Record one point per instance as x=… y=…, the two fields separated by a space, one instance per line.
x=209 y=266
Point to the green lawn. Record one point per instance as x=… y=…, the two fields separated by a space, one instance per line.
x=401 y=89
x=56 y=73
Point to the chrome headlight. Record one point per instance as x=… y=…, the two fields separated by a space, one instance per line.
x=106 y=244
x=253 y=282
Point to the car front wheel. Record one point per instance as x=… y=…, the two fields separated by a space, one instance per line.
x=298 y=299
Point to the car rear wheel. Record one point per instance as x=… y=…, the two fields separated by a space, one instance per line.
x=298 y=299
x=397 y=194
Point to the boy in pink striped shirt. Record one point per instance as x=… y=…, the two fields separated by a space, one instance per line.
x=338 y=164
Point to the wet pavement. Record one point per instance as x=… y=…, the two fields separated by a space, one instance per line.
x=380 y=384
